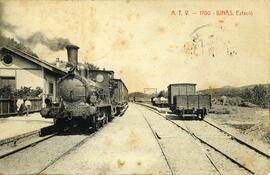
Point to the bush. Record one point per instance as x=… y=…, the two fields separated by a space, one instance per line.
x=259 y=95
x=8 y=92
x=219 y=111
x=28 y=92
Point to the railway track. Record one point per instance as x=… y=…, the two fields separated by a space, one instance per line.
x=32 y=142
x=80 y=143
x=15 y=144
x=168 y=162
x=47 y=138
x=237 y=151
x=239 y=140
x=159 y=144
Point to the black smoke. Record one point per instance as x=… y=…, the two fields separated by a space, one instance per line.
x=54 y=44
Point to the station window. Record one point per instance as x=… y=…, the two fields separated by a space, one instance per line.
x=51 y=89
x=7 y=59
x=8 y=81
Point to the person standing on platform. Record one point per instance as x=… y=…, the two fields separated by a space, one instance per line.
x=28 y=105
x=19 y=104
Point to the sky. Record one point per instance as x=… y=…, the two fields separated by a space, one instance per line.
x=149 y=44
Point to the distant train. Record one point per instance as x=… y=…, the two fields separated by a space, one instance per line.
x=159 y=102
x=89 y=97
x=183 y=100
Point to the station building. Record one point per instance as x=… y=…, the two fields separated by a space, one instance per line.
x=19 y=69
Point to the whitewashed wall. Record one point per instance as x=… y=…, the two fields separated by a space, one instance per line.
x=29 y=74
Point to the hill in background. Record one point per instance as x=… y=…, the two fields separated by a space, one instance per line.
x=251 y=95
x=139 y=94
x=231 y=91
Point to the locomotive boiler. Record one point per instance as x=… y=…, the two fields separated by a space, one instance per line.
x=85 y=96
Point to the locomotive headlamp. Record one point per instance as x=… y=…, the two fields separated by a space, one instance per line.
x=100 y=78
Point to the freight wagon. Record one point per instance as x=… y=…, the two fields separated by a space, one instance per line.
x=184 y=101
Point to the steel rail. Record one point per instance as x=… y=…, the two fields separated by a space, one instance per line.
x=80 y=143
x=39 y=140
x=238 y=140
x=26 y=146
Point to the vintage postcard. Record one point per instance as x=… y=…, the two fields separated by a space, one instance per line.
x=134 y=87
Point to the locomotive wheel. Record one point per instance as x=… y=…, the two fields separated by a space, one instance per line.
x=95 y=124
x=59 y=124
x=200 y=116
x=102 y=122
x=107 y=119
x=110 y=118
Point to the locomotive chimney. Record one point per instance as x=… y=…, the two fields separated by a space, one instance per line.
x=72 y=52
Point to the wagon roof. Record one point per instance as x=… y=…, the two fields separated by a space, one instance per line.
x=121 y=82
x=178 y=84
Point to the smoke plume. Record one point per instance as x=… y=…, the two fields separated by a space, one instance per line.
x=54 y=44
x=3 y=24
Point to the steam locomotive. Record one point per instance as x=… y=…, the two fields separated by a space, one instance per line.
x=89 y=97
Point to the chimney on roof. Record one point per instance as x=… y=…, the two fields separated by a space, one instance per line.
x=72 y=52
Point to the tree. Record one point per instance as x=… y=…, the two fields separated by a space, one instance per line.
x=247 y=94
x=259 y=95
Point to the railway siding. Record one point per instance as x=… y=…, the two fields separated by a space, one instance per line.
x=253 y=160
x=184 y=154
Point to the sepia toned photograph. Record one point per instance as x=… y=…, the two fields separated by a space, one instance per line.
x=125 y=87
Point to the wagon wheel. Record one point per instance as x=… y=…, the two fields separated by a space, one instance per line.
x=180 y=115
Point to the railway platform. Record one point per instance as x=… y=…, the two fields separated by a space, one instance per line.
x=18 y=125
